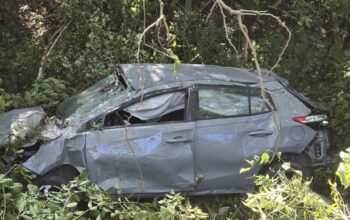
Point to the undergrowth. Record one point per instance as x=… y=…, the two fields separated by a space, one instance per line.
x=277 y=197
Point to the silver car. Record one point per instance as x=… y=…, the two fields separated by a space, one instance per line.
x=146 y=130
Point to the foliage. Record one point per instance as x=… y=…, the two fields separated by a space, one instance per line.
x=102 y=33
x=343 y=171
x=277 y=197
x=80 y=199
x=282 y=198
x=46 y=92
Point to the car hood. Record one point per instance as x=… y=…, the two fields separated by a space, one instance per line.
x=15 y=125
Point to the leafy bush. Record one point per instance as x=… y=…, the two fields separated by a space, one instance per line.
x=283 y=198
x=103 y=33
x=277 y=197
x=343 y=171
x=46 y=92
x=81 y=199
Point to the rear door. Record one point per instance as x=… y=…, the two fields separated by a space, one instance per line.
x=233 y=124
x=151 y=154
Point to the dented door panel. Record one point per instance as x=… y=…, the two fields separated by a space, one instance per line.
x=142 y=159
x=69 y=151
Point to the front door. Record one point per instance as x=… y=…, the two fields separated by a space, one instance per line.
x=151 y=154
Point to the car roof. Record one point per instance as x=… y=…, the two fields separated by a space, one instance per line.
x=161 y=74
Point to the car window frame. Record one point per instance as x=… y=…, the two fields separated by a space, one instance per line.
x=210 y=86
x=188 y=114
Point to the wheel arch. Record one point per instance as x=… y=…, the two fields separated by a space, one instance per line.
x=56 y=176
x=296 y=158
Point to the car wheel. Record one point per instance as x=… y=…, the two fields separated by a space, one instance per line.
x=290 y=173
x=59 y=175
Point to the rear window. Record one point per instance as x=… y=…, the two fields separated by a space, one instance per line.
x=305 y=100
x=221 y=102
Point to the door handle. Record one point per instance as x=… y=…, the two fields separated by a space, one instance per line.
x=178 y=139
x=260 y=133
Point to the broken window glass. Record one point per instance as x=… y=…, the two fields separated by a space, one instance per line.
x=105 y=94
x=101 y=103
x=95 y=95
x=223 y=102
x=162 y=108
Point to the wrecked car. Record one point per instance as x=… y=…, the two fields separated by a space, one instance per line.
x=147 y=131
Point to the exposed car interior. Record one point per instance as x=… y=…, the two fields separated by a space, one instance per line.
x=163 y=108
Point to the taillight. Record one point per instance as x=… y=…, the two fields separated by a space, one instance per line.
x=312 y=119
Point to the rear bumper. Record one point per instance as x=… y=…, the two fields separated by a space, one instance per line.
x=319 y=149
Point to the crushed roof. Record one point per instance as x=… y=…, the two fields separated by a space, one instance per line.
x=159 y=74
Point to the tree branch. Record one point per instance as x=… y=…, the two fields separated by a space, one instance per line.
x=48 y=51
x=249 y=45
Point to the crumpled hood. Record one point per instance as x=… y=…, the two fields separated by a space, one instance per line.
x=16 y=123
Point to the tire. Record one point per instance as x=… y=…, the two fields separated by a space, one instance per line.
x=299 y=162
x=59 y=175
x=275 y=166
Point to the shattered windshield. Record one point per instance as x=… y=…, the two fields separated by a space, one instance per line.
x=105 y=93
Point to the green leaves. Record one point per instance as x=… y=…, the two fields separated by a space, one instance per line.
x=105 y=34
x=21 y=204
x=265 y=158
x=68 y=203
x=177 y=63
x=173 y=206
x=45 y=92
x=71 y=205
x=280 y=197
x=343 y=171
x=245 y=169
